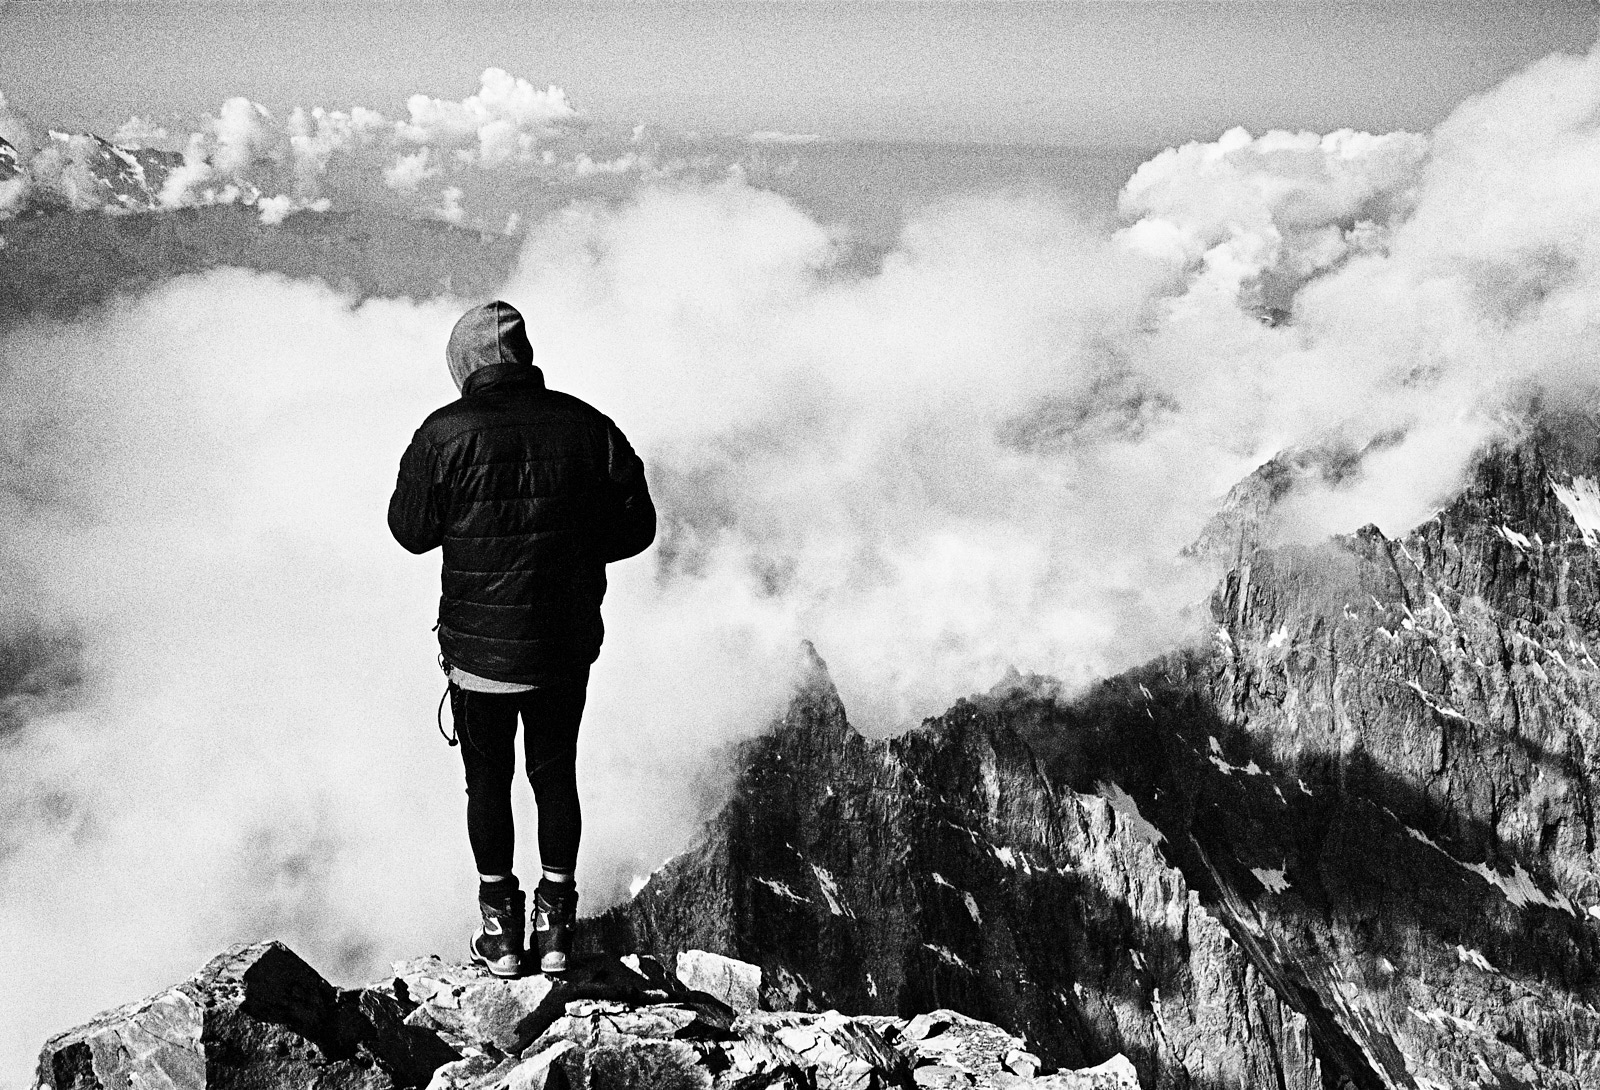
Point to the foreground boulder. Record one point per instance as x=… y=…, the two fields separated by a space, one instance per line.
x=258 y=1016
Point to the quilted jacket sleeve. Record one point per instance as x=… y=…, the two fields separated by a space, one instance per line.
x=627 y=515
x=414 y=516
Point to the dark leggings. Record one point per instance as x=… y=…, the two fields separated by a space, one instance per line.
x=487 y=726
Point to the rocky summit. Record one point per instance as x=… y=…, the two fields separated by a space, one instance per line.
x=258 y=1017
x=1347 y=842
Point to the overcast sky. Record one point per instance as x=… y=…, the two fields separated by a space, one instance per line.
x=1097 y=73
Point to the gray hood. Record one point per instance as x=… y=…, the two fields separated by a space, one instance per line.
x=485 y=336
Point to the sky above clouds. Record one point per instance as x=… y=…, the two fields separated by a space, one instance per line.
x=1097 y=73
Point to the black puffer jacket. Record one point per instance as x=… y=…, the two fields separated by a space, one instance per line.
x=531 y=493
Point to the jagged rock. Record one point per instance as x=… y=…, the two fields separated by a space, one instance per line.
x=983 y=1053
x=1020 y=1062
x=260 y=1017
x=1116 y=1073
x=9 y=166
x=736 y=983
x=536 y=1072
x=256 y=1016
x=941 y=869
x=463 y=1004
x=613 y=996
x=625 y=1065
x=1379 y=777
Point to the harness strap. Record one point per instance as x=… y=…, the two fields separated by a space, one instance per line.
x=439 y=719
x=438 y=715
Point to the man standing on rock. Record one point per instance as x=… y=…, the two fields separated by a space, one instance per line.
x=531 y=493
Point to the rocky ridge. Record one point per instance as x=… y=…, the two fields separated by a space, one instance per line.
x=259 y=1016
x=940 y=869
x=1350 y=841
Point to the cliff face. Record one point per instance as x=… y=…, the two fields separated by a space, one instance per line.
x=942 y=869
x=1378 y=775
x=1352 y=839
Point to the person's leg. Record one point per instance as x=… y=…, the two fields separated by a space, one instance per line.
x=551 y=716
x=486 y=724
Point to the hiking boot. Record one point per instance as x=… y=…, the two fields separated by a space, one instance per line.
x=555 y=910
x=497 y=943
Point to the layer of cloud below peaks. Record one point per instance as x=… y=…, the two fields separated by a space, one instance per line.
x=987 y=452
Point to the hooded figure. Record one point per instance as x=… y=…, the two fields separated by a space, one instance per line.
x=530 y=493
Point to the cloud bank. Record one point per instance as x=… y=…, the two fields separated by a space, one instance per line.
x=495 y=146
x=986 y=451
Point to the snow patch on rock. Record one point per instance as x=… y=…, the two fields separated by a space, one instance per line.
x=1128 y=810
x=1273 y=879
x=830 y=890
x=1582 y=501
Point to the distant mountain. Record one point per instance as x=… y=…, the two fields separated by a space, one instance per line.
x=1350 y=843
x=111 y=175
x=65 y=263
x=99 y=229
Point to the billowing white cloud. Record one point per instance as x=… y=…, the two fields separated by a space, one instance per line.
x=450 y=209
x=1292 y=204
x=488 y=146
x=410 y=170
x=506 y=129
x=503 y=122
x=317 y=135
x=244 y=136
x=276 y=209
